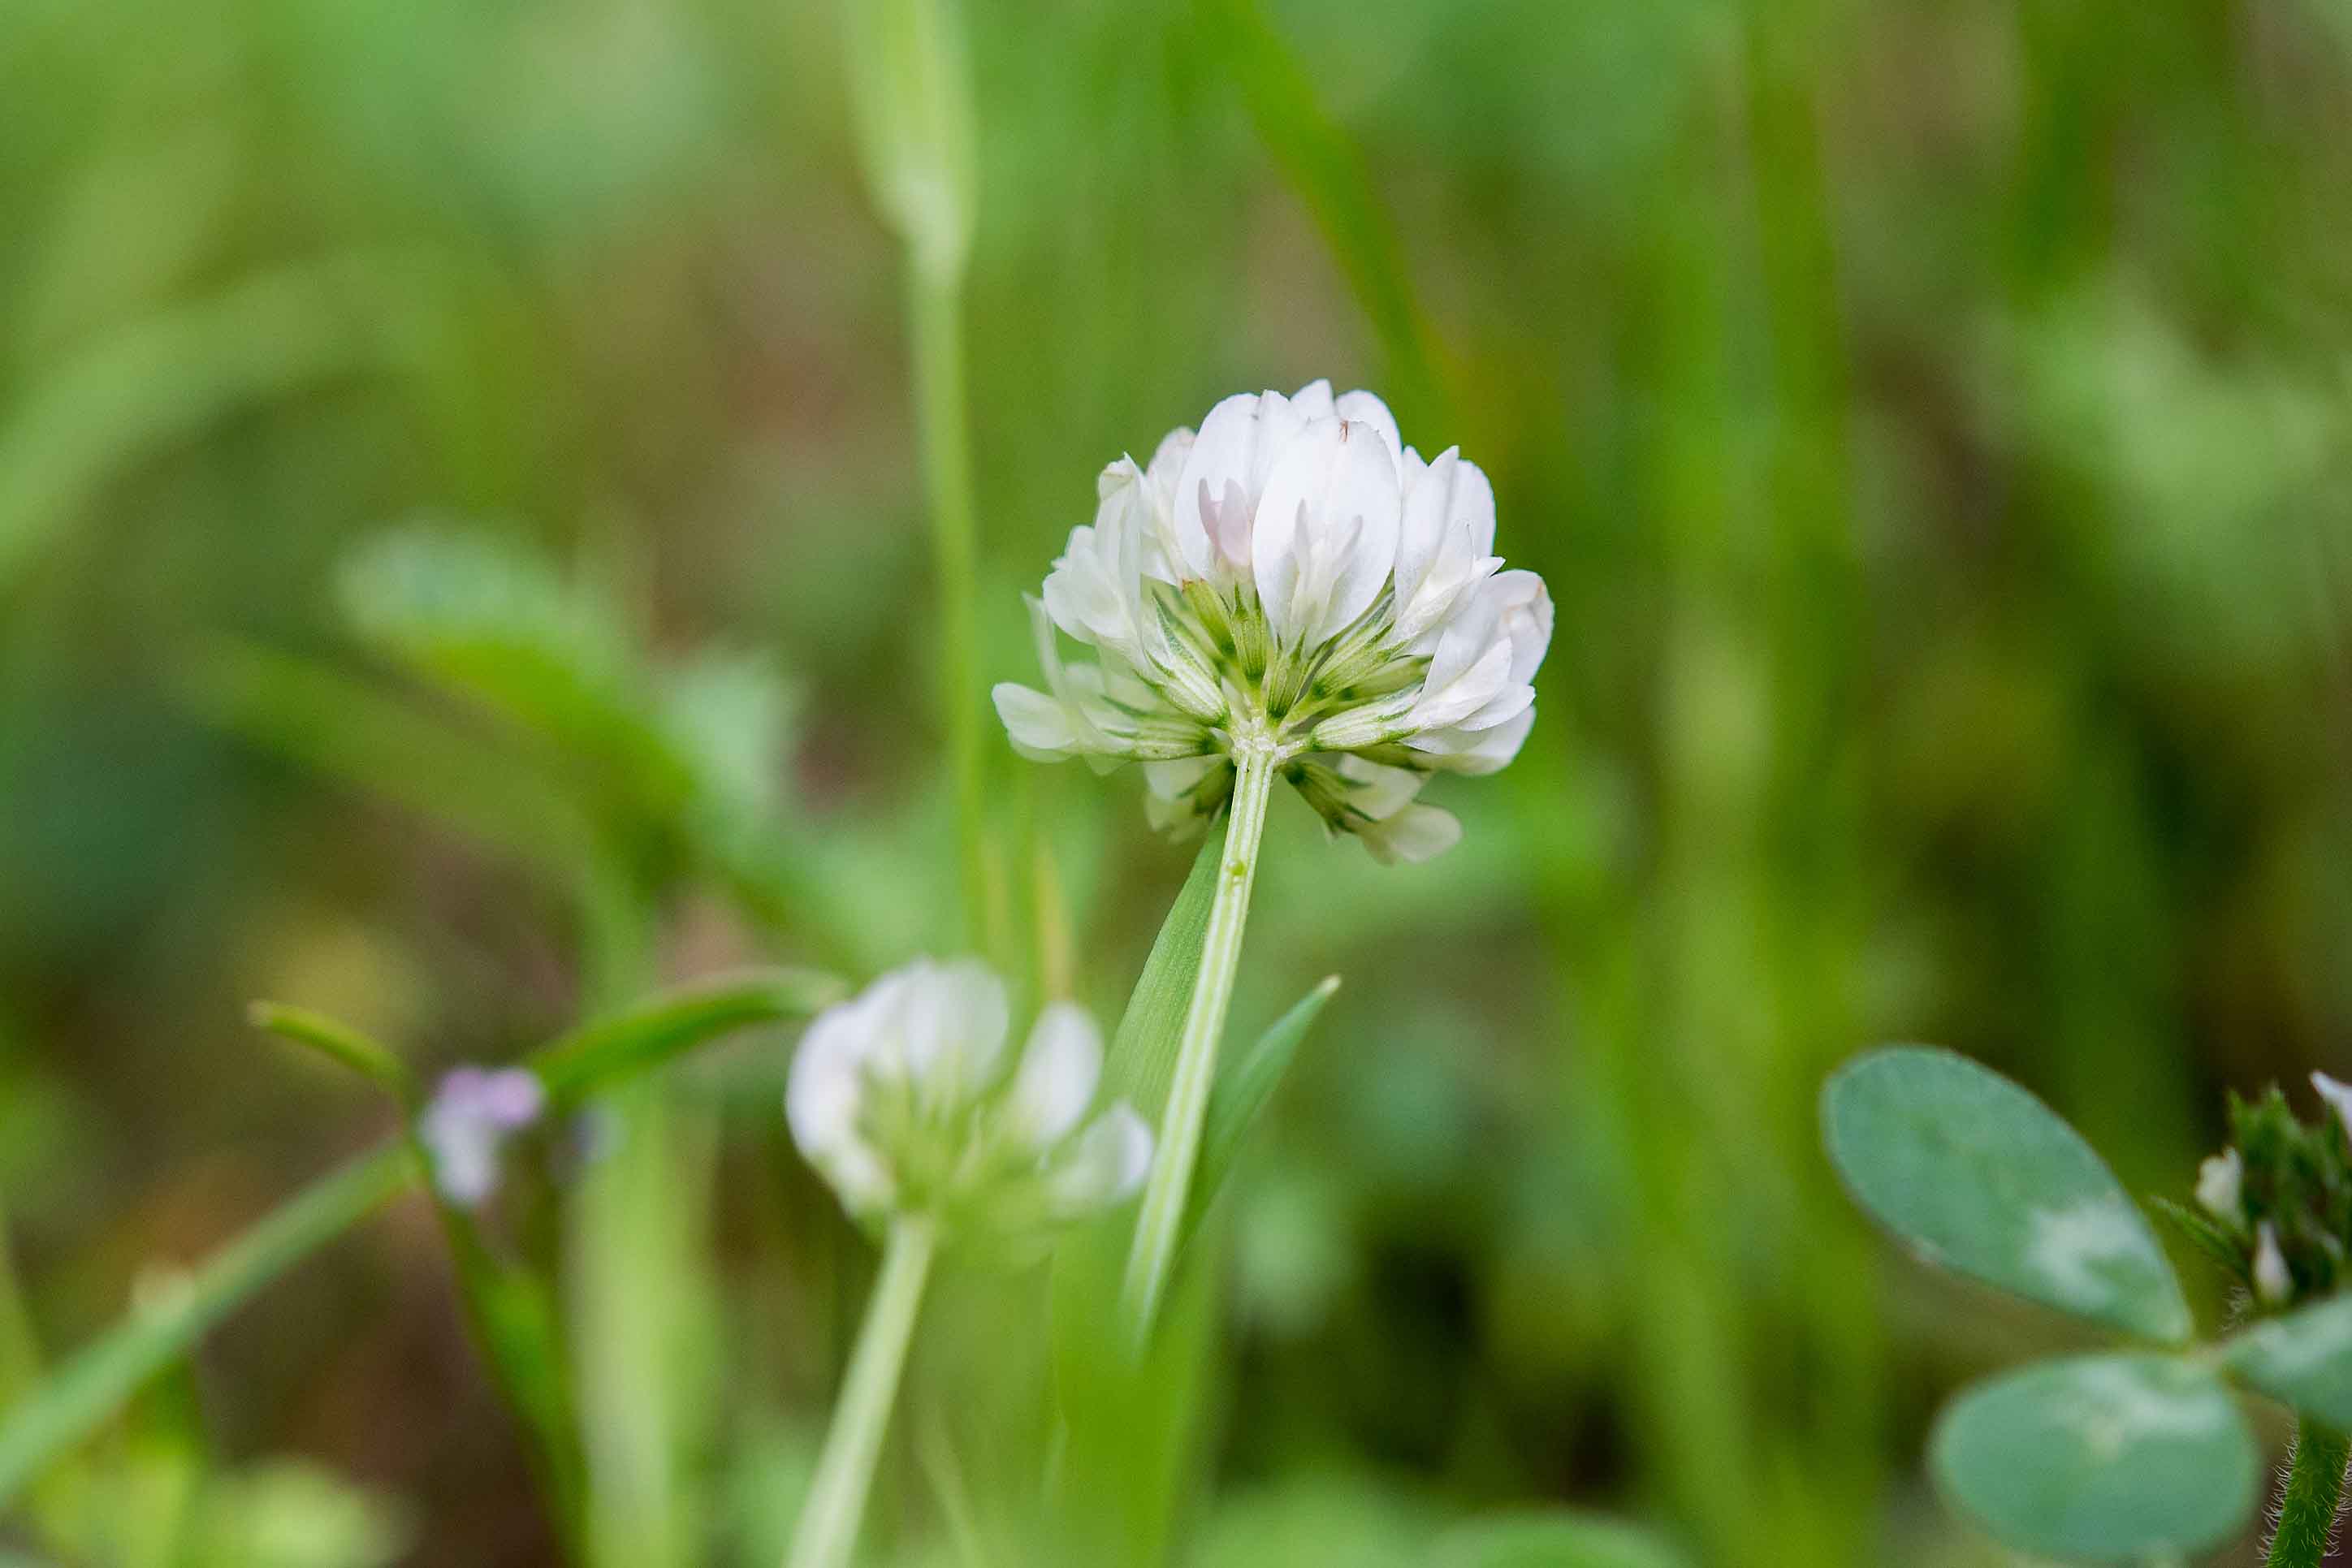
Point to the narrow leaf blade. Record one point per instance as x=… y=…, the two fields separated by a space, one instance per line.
x=2104 y=1458
x=1142 y=1062
x=603 y=1051
x=1981 y=1178
x=1241 y=1094
x=91 y=1386
x=1129 y=1423
x=337 y=1042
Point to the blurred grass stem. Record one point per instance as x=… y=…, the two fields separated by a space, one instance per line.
x=827 y=1531
x=935 y=316
x=911 y=98
x=1158 y=1227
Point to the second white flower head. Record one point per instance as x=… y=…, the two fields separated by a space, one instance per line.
x=1295 y=581
x=903 y=1098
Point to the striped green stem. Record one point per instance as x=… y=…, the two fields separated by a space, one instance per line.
x=827 y=1531
x=1160 y=1224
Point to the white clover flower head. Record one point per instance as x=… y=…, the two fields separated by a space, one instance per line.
x=2220 y=1186
x=2272 y=1283
x=473 y=1112
x=1294 y=583
x=903 y=1099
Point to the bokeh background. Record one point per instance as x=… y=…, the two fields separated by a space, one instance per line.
x=1930 y=417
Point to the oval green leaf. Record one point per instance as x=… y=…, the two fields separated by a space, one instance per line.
x=2102 y=1459
x=2303 y=1360
x=1553 y=1539
x=1981 y=1178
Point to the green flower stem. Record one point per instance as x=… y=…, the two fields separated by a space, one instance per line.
x=1160 y=1224
x=827 y=1530
x=935 y=314
x=2314 y=1491
x=512 y=1314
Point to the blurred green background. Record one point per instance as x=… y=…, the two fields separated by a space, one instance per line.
x=1930 y=418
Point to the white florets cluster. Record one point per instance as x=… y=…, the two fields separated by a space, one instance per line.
x=902 y=1098
x=1295 y=583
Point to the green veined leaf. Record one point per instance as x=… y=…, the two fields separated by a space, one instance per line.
x=90 y=1385
x=1982 y=1178
x=2104 y=1459
x=339 y=1042
x=1553 y=1539
x=2303 y=1359
x=609 y=1049
x=1241 y=1093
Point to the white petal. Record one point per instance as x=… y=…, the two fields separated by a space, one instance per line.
x=1442 y=548
x=1416 y=833
x=1363 y=408
x=2272 y=1282
x=1165 y=559
x=1055 y=1081
x=1527 y=616
x=1377 y=790
x=1502 y=708
x=1327 y=532
x=1168 y=459
x=827 y=1083
x=1472 y=689
x=1041 y=728
x=1475 y=751
x=954 y=1019
x=1103 y=1165
x=2220 y=1186
x=1314 y=400
x=2338 y=1097
x=1217 y=490
x=1170 y=804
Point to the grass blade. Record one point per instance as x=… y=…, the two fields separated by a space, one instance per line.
x=1242 y=1092
x=603 y=1053
x=339 y=1042
x=91 y=1385
x=1323 y=163
x=1129 y=1424
x=1142 y=1062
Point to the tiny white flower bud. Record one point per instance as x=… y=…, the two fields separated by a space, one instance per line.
x=2220 y=1186
x=2338 y=1097
x=2272 y=1283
